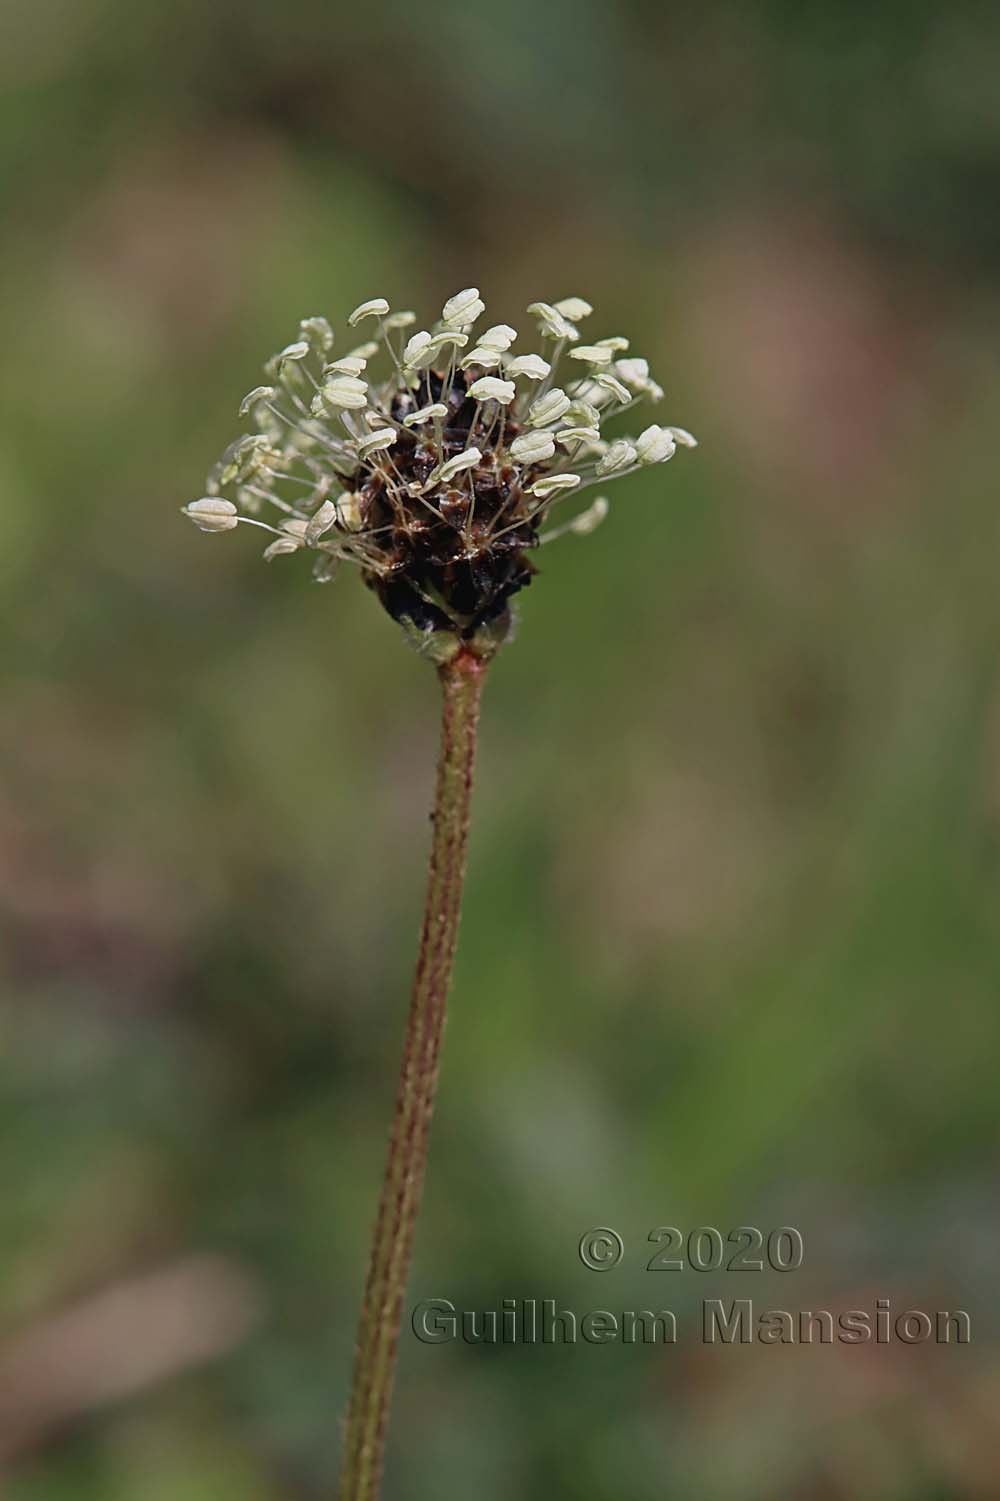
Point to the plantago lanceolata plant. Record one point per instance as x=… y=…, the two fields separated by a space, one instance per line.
x=437 y=479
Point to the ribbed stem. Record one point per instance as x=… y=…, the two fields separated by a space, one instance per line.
x=388 y=1268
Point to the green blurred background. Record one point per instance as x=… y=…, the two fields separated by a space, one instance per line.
x=730 y=948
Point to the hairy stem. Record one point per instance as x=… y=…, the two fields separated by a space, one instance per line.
x=388 y=1267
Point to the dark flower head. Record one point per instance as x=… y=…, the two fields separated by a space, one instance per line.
x=437 y=479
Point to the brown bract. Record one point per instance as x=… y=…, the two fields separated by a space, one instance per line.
x=451 y=556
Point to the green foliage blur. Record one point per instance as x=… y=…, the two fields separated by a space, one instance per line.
x=731 y=945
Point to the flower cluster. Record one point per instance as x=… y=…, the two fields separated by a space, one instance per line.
x=438 y=478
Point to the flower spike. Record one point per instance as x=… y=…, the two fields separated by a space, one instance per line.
x=430 y=465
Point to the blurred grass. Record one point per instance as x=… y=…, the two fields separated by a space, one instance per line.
x=730 y=945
